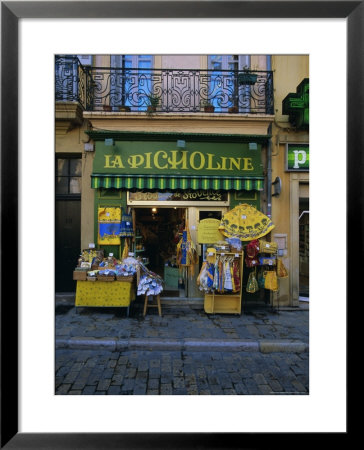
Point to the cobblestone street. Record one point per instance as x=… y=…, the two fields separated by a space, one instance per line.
x=95 y=372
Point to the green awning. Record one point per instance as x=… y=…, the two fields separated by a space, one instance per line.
x=173 y=182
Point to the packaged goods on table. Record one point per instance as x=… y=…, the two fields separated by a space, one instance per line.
x=106 y=275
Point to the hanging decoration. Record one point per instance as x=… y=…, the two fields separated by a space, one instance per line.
x=186 y=252
x=127 y=225
x=125 y=253
x=109 y=225
x=246 y=223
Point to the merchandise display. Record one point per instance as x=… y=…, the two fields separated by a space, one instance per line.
x=186 y=251
x=166 y=253
x=245 y=223
x=149 y=283
x=106 y=269
x=222 y=276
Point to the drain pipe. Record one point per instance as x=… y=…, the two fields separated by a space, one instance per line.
x=269 y=174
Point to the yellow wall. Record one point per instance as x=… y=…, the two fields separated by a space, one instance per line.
x=73 y=141
x=289 y=71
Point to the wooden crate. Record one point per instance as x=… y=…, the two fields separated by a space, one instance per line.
x=80 y=275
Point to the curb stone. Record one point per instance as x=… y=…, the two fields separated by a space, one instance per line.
x=270 y=346
x=229 y=345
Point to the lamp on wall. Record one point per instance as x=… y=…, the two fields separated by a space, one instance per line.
x=181 y=144
x=277 y=187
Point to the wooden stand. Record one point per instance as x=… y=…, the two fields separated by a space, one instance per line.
x=157 y=305
x=226 y=303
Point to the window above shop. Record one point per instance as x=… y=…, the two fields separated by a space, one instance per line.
x=68 y=175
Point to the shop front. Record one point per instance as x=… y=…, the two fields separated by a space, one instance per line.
x=161 y=200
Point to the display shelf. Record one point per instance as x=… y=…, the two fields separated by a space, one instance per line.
x=229 y=303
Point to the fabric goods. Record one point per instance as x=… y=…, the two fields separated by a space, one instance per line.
x=251 y=255
x=267 y=247
x=281 y=269
x=186 y=251
x=271 y=280
x=261 y=279
x=125 y=250
x=109 y=225
x=267 y=261
x=246 y=223
x=206 y=277
x=211 y=255
x=126 y=226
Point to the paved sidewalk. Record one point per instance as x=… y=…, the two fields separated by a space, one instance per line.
x=184 y=326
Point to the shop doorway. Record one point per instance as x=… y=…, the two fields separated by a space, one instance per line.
x=158 y=231
x=67 y=243
x=304 y=240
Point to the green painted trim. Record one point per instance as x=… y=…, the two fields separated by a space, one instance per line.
x=162 y=136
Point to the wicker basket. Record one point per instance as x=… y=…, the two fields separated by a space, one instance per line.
x=91 y=279
x=127 y=279
x=105 y=278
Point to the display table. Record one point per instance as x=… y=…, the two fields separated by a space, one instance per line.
x=105 y=294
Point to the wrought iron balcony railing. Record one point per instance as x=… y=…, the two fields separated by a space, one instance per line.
x=165 y=90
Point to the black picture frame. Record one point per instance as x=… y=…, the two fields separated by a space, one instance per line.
x=11 y=12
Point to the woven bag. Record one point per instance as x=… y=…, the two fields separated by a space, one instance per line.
x=252 y=284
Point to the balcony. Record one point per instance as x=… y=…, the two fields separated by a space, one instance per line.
x=163 y=90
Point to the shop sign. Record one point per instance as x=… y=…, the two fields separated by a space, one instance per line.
x=185 y=196
x=297 y=157
x=208 y=231
x=214 y=159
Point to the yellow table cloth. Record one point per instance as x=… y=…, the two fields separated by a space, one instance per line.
x=104 y=293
